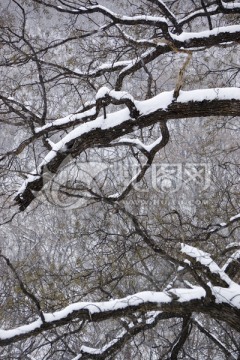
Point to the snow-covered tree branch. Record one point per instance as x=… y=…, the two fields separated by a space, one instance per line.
x=103 y=130
x=119 y=174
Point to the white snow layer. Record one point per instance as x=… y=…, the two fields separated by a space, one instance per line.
x=205 y=259
x=187 y=36
x=98 y=307
x=235 y=217
x=229 y=295
x=158 y=102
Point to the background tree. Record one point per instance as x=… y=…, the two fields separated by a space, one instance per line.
x=120 y=176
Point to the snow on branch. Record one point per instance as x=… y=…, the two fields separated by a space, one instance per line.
x=179 y=301
x=102 y=130
x=161 y=22
x=120 y=339
x=229 y=7
x=207 y=262
x=234 y=257
x=105 y=96
x=214 y=228
x=166 y=11
x=212 y=9
x=139 y=144
x=149 y=151
x=223 y=31
x=158 y=46
x=232 y=265
x=96 y=311
x=97 y=72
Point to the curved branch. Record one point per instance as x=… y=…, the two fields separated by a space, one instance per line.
x=25 y=291
x=168 y=13
x=180 y=341
x=150 y=157
x=160 y=22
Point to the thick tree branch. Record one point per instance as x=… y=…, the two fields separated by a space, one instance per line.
x=184 y=302
x=202 y=261
x=99 y=132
